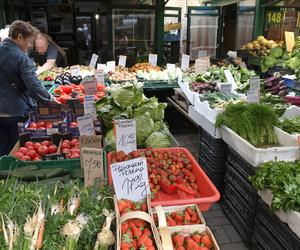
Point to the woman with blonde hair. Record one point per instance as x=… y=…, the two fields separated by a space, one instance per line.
x=47 y=54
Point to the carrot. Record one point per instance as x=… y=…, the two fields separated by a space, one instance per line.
x=39 y=241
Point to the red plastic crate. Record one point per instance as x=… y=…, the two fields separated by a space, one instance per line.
x=208 y=192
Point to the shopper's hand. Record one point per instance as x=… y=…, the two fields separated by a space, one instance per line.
x=55 y=101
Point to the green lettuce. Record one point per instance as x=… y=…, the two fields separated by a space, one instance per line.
x=110 y=141
x=144 y=127
x=109 y=112
x=158 y=140
x=155 y=109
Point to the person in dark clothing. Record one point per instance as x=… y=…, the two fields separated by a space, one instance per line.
x=47 y=54
x=18 y=83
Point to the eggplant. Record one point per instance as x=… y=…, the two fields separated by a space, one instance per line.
x=68 y=74
x=58 y=80
x=79 y=79
x=283 y=87
x=283 y=92
x=276 y=87
x=269 y=84
x=275 y=91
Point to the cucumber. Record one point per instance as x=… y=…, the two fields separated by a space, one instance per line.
x=27 y=168
x=77 y=174
x=16 y=171
x=52 y=181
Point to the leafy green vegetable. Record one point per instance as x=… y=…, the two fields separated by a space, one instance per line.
x=276 y=52
x=277 y=103
x=290 y=125
x=219 y=99
x=158 y=140
x=109 y=140
x=270 y=61
x=144 y=127
x=253 y=122
x=110 y=112
x=152 y=106
x=283 y=179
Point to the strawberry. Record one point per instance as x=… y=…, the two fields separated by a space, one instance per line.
x=134 y=244
x=197 y=238
x=124 y=227
x=206 y=240
x=151 y=248
x=191 y=244
x=122 y=205
x=145 y=241
x=178 y=219
x=178 y=240
x=144 y=207
x=194 y=217
x=170 y=221
x=202 y=248
x=180 y=248
x=190 y=210
x=173 y=214
x=147 y=232
x=140 y=223
x=125 y=246
x=135 y=230
x=186 y=217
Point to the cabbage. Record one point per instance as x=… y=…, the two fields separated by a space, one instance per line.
x=270 y=61
x=126 y=95
x=144 y=127
x=108 y=112
x=158 y=140
x=155 y=109
x=161 y=126
x=110 y=141
x=276 y=52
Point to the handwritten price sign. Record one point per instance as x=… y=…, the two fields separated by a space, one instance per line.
x=86 y=125
x=125 y=135
x=130 y=179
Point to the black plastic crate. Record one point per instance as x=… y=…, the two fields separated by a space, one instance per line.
x=270 y=229
x=212 y=154
x=238 y=220
x=214 y=143
x=215 y=164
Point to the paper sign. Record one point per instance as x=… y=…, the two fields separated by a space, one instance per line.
x=94 y=141
x=54 y=157
x=125 y=135
x=152 y=59
x=171 y=66
x=92 y=160
x=174 y=32
x=101 y=66
x=253 y=94
x=230 y=78
x=111 y=66
x=202 y=64
x=232 y=54
x=86 y=125
x=99 y=75
x=122 y=61
x=225 y=87
x=202 y=53
x=90 y=86
x=93 y=61
x=185 y=61
x=130 y=179
x=75 y=70
x=289 y=40
x=89 y=107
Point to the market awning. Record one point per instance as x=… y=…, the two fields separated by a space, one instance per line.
x=220 y=2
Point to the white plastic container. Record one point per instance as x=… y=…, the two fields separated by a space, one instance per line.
x=291 y=112
x=256 y=156
x=205 y=123
x=291 y=139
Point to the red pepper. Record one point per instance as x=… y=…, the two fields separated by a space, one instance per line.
x=167 y=187
x=67 y=89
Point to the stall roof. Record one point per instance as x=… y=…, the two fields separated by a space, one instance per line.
x=221 y=2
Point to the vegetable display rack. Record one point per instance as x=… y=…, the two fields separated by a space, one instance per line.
x=170 y=84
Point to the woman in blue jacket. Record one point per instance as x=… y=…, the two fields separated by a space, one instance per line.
x=18 y=83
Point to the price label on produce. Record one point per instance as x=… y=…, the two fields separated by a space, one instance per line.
x=86 y=125
x=185 y=61
x=90 y=86
x=253 y=95
x=94 y=141
x=111 y=66
x=89 y=107
x=101 y=66
x=93 y=61
x=130 y=179
x=289 y=40
x=225 y=87
x=92 y=161
x=75 y=70
x=122 y=61
x=202 y=64
x=152 y=59
x=54 y=157
x=230 y=78
x=232 y=54
x=125 y=135
x=99 y=75
x=171 y=66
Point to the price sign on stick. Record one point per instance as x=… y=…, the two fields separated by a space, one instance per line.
x=111 y=66
x=92 y=161
x=94 y=141
x=90 y=86
x=93 y=61
x=152 y=59
x=75 y=70
x=99 y=75
x=86 y=125
x=89 y=107
x=125 y=135
x=289 y=40
x=225 y=87
x=171 y=66
x=253 y=95
x=130 y=179
x=122 y=61
x=185 y=61
x=202 y=64
x=230 y=78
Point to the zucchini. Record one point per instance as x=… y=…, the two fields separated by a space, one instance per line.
x=16 y=171
x=77 y=174
x=54 y=180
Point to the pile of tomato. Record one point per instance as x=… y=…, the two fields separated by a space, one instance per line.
x=168 y=171
x=40 y=125
x=71 y=148
x=64 y=93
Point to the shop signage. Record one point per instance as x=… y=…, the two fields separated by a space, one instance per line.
x=86 y=125
x=125 y=135
x=93 y=61
x=89 y=107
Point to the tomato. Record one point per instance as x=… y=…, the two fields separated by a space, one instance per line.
x=43 y=150
x=30 y=148
x=31 y=154
x=28 y=143
x=48 y=125
x=100 y=87
x=52 y=149
x=67 y=89
x=25 y=158
x=23 y=150
x=18 y=155
x=40 y=124
x=46 y=143
x=73 y=156
x=36 y=146
x=37 y=159
x=81 y=98
x=74 y=142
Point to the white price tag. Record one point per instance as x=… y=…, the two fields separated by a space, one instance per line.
x=185 y=61
x=232 y=54
x=130 y=179
x=86 y=125
x=253 y=95
x=202 y=64
x=75 y=70
x=202 y=53
x=122 y=61
x=92 y=161
x=125 y=135
x=89 y=107
x=90 y=86
x=225 y=87
x=99 y=75
x=93 y=61
x=101 y=66
x=111 y=66
x=230 y=78
x=152 y=59
x=171 y=66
